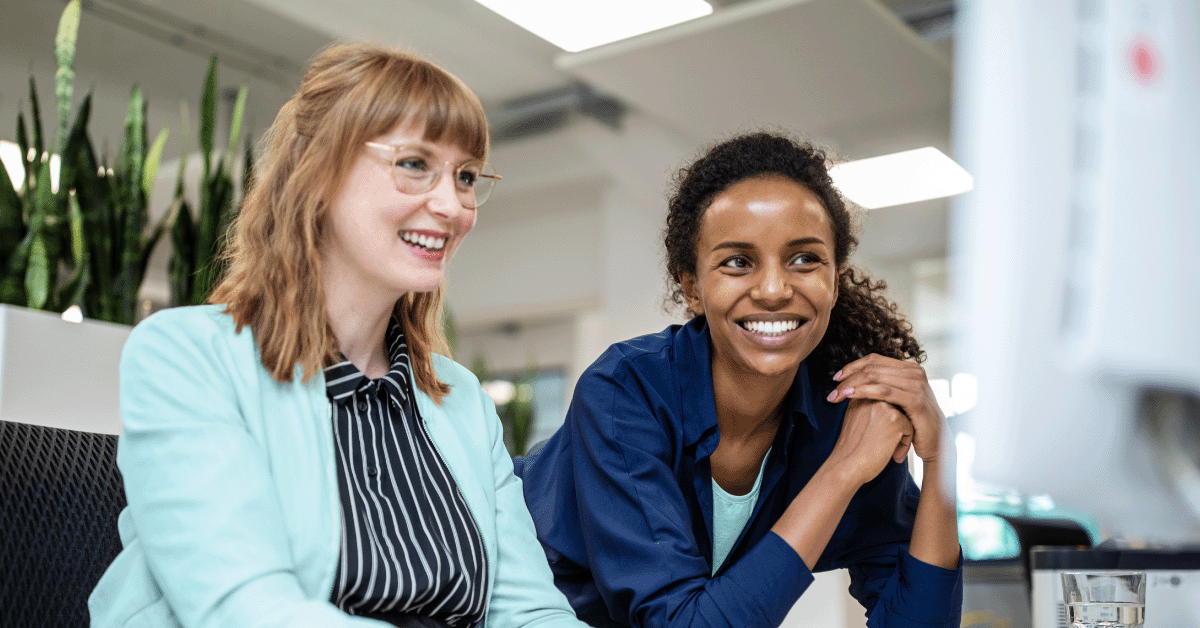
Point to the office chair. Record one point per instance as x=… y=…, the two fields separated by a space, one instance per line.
x=60 y=494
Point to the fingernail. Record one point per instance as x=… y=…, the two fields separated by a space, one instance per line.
x=832 y=396
x=837 y=376
x=848 y=392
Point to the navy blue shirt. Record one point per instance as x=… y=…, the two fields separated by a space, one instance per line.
x=622 y=499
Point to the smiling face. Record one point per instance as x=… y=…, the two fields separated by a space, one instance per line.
x=765 y=276
x=379 y=240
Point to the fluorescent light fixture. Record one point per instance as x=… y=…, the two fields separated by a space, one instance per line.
x=899 y=178
x=575 y=25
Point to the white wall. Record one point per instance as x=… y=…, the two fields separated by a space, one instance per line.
x=582 y=246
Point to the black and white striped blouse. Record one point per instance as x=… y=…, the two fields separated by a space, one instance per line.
x=410 y=547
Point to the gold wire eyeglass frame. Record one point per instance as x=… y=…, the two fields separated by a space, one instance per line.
x=405 y=184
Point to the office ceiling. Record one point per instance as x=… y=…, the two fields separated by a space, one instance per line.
x=820 y=66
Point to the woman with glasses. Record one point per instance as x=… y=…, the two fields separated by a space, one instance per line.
x=704 y=473
x=297 y=453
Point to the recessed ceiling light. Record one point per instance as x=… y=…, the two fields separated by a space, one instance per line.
x=899 y=178
x=575 y=25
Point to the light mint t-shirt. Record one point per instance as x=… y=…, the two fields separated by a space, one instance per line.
x=730 y=514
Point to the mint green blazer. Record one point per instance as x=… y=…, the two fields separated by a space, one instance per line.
x=234 y=515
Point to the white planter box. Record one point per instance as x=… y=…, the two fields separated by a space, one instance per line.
x=57 y=373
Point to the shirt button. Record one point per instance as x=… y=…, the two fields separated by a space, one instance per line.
x=372 y=471
x=362 y=406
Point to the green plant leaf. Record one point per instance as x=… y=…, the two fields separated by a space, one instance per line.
x=42 y=205
x=208 y=212
x=208 y=114
x=227 y=212
x=78 y=246
x=12 y=286
x=67 y=183
x=184 y=150
x=12 y=228
x=134 y=149
x=72 y=292
x=153 y=158
x=181 y=267
x=208 y=216
x=12 y=291
x=23 y=143
x=215 y=200
x=522 y=420
x=37 y=273
x=95 y=200
x=235 y=123
x=69 y=160
x=41 y=270
x=36 y=123
x=64 y=77
x=131 y=209
x=12 y=216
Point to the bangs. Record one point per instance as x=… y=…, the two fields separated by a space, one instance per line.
x=454 y=117
x=449 y=112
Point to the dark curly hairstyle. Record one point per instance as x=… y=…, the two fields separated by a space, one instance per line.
x=863 y=320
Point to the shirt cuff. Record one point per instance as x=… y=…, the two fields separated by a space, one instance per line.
x=771 y=577
x=926 y=593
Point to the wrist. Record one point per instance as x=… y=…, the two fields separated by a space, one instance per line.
x=938 y=476
x=842 y=472
x=940 y=445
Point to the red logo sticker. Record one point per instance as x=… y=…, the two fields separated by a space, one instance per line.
x=1145 y=62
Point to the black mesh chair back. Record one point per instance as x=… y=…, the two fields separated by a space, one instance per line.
x=60 y=494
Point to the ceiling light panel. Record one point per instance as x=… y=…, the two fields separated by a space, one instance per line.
x=899 y=178
x=575 y=25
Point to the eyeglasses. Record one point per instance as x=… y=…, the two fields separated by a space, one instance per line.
x=414 y=172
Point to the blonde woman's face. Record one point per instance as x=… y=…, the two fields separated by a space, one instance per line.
x=381 y=239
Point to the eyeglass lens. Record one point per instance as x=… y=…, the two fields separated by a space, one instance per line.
x=416 y=174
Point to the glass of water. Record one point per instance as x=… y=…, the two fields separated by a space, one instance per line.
x=1105 y=599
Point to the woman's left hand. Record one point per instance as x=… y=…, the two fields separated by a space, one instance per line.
x=902 y=384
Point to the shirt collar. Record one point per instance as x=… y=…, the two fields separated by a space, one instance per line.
x=693 y=352
x=343 y=379
x=695 y=379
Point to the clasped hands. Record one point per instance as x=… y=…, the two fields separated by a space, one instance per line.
x=892 y=407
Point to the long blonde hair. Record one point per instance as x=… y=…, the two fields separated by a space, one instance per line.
x=350 y=94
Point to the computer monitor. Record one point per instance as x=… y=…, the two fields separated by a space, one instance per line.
x=1076 y=259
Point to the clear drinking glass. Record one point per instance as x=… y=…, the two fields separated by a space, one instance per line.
x=1106 y=599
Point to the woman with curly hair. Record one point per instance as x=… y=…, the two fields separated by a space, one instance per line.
x=705 y=472
x=296 y=453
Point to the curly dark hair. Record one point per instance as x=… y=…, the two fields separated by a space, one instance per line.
x=863 y=320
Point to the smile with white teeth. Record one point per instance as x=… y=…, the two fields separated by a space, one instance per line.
x=426 y=242
x=770 y=328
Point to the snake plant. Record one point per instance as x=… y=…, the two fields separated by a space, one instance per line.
x=198 y=240
x=93 y=226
